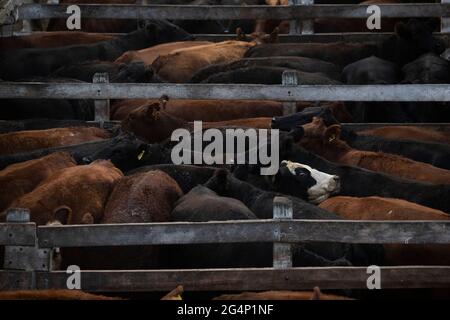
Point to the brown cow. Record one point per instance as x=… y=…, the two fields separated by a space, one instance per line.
x=204 y=110
x=52 y=295
x=51 y=40
x=139 y=198
x=142 y=197
x=409 y=133
x=180 y=65
x=22 y=141
x=282 y=295
x=21 y=178
x=376 y=208
x=326 y=142
x=147 y=56
x=154 y=124
x=77 y=193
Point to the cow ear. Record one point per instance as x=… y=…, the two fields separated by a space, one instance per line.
x=87 y=219
x=316 y=294
x=402 y=30
x=163 y=101
x=332 y=133
x=63 y=214
x=274 y=35
x=240 y=34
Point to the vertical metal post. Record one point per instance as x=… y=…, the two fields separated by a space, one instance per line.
x=27 y=258
x=301 y=27
x=445 y=21
x=295 y=27
x=282 y=252
x=307 y=26
x=101 y=106
x=289 y=78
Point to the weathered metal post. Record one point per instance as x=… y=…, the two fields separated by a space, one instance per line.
x=307 y=26
x=445 y=21
x=282 y=252
x=26 y=258
x=101 y=106
x=301 y=27
x=289 y=78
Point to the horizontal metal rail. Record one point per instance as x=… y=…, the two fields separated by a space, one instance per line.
x=190 y=12
x=285 y=38
x=286 y=231
x=23 y=234
x=408 y=277
x=33 y=90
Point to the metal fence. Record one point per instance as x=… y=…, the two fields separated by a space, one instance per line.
x=28 y=253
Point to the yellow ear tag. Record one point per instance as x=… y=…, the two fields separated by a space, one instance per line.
x=141 y=155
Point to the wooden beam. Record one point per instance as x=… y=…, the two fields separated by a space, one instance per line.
x=293 y=231
x=249 y=279
x=33 y=90
x=191 y=12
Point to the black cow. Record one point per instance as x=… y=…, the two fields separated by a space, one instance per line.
x=23 y=63
x=133 y=72
x=267 y=75
x=428 y=68
x=260 y=202
x=125 y=151
x=295 y=63
x=292 y=179
x=372 y=70
x=202 y=204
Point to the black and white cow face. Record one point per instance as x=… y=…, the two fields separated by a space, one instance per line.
x=305 y=182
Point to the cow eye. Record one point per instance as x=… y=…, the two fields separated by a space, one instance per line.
x=300 y=172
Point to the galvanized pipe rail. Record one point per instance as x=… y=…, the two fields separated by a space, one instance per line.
x=28 y=253
x=33 y=90
x=190 y=12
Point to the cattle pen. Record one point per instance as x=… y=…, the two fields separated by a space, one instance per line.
x=29 y=248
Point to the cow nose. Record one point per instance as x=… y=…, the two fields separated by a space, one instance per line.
x=86 y=160
x=336 y=183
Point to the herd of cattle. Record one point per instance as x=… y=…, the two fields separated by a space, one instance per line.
x=67 y=171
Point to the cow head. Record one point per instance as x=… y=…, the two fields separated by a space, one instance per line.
x=319 y=138
x=151 y=122
x=125 y=152
x=305 y=182
x=258 y=37
x=287 y=123
x=135 y=72
x=411 y=40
